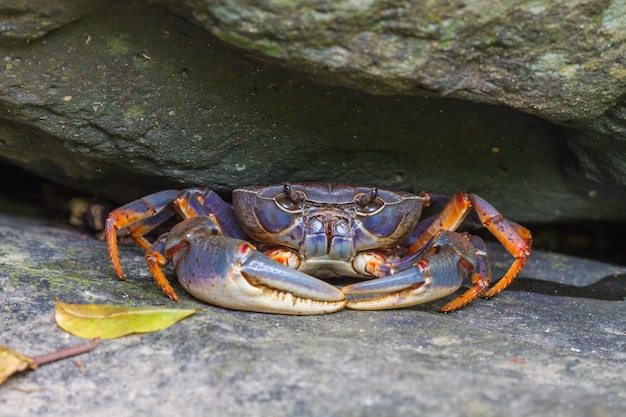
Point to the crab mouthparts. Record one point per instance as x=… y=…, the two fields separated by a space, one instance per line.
x=328 y=236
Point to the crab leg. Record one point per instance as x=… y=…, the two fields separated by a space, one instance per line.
x=481 y=278
x=156 y=260
x=141 y=216
x=515 y=238
x=231 y=273
x=199 y=202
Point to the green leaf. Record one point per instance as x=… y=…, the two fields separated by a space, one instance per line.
x=109 y=322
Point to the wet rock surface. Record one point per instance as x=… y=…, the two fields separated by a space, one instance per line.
x=553 y=344
x=131 y=99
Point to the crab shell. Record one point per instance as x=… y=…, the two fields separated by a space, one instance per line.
x=326 y=225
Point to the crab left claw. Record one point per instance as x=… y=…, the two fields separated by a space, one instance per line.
x=231 y=273
x=438 y=273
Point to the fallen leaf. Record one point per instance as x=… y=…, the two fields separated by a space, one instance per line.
x=12 y=362
x=110 y=322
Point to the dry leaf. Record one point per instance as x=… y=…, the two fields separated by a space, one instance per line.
x=109 y=322
x=12 y=362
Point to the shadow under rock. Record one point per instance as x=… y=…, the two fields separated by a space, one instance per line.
x=609 y=288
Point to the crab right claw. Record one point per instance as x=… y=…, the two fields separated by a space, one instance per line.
x=231 y=273
x=441 y=272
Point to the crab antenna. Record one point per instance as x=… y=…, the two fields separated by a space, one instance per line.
x=291 y=193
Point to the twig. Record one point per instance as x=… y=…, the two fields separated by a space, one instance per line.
x=66 y=353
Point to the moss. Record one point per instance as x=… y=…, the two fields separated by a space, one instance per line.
x=117 y=46
x=269 y=48
x=378 y=27
x=235 y=39
x=133 y=113
x=264 y=46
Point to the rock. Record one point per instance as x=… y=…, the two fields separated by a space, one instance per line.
x=474 y=50
x=562 y=61
x=25 y=20
x=131 y=99
x=552 y=344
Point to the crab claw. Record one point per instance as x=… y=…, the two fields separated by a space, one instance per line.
x=231 y=273
x=430 y=278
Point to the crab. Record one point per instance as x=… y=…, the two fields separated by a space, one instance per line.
x=273 y=249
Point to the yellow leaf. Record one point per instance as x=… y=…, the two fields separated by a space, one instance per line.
x=12 y=362
x=108 y=321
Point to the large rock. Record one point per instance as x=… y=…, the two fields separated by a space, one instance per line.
x=132 y=99
x=563 y=61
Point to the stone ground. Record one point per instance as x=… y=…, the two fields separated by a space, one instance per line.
x=553 y=344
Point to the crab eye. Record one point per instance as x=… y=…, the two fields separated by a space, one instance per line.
x=369 y=202
x=290 y=199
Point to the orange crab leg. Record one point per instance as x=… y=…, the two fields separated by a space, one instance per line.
x=139 y=217
x=481 y=278
x=519 y=241
x=156 y=260
x=515 y=238
x=450 y=218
